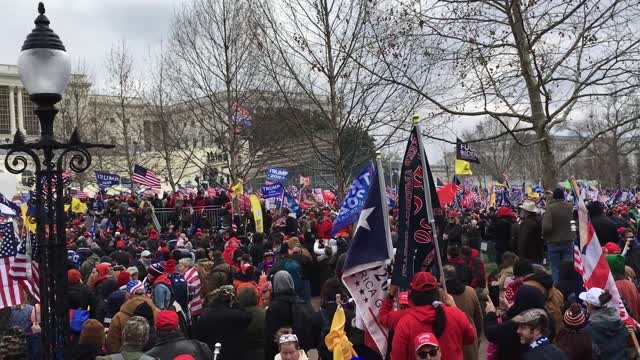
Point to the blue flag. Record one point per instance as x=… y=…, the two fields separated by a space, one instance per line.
x=105 y=180
x=292 y=204
x=354 y=200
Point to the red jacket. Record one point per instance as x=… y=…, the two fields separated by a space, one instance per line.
x=458 y=331
x=324 y=229
x=389 y=318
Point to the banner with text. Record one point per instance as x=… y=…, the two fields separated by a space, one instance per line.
x=272 y=191
x=277 y=175
x=106 y=180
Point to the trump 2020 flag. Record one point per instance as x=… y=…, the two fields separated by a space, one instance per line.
x=354 y=200
x=365 y=272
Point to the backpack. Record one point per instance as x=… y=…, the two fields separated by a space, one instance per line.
x=180 y=289
x=301 y=320
x=293 y=268
x=77 y=318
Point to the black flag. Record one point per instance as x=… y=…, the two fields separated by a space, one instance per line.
x=466 y=152
x=415 y=249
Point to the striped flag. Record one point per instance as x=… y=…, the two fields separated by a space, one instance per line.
x=18 y=275
x=193 y=279
x=81 y=195
x=144 y=176
x=591 y=263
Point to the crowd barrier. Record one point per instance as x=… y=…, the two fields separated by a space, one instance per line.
x=212 y=213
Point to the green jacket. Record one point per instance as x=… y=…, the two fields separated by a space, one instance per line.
x=88 y=266
x=128 y=354
x=556 y=223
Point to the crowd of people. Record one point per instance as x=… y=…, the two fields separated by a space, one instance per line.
x=202 y=289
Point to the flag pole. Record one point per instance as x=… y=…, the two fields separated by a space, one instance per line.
x=385 y=205
x=426 y=186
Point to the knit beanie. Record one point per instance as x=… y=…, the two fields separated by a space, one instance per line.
x=574 y=317
x=123 y=278
x=170 y=266
x=156 y=269
x=616 y=264
x=92 y=333
x=103 y=269
x=74 y=277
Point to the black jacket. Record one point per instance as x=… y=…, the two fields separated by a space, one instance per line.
x=291 y=225
x=169 y=346
x=279 y=314
x=501 y=230
x=605 y=229
x=85 y=352
x=79 y=296
x=530 y=244
x=226 y=325
x=545 y=352
x=505 y=336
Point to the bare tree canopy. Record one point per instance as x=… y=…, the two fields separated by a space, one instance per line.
x=531 y=66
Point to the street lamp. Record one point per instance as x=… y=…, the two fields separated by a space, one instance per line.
x=45 y=70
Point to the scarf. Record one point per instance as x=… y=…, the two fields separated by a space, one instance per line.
x=540 y=342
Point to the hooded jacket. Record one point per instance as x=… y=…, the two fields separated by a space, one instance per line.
x=227 y=325
x=162 y=294
x=119 y=320
x=254 y=335
x=170 y=345
x=608 y=332
x=279 y=312
x=554 y=299
x=458 y=331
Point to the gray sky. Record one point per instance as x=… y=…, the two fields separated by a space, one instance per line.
x=88 y=28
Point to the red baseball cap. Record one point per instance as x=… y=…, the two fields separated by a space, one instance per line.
x=184 y=357
x=423 y=281
x=167 y=320
x=120 y=244
x=453 y=213
x=403 y=299
x=426 y=338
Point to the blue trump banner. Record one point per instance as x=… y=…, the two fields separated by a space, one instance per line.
x=277 y=175
x=354 y=200
x=106 y=180
x=272 y=191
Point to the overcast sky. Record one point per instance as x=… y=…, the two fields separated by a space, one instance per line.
x=88 y=28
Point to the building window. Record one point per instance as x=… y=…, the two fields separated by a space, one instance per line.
x=31 y=123
x=4 y=110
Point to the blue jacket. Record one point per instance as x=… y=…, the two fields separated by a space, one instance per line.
x=608 y=332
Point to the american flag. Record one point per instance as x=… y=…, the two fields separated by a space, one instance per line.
x=590 y=262
x=17 y=278
x=391 y=197
x=79 y=194
x=193 y=279
x=459 y=187
x=144 y=176
x=66 y=180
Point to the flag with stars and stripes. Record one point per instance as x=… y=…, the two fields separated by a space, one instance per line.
x=18 y=274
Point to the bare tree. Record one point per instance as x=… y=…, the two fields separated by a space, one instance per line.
x=215 y=74
x=308 y=47
x=167 y=129
x=123 y=111
x=606 y=159
x=529 y=65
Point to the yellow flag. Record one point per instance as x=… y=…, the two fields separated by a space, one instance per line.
x=463 y=168
x=237 y=189
x=28 y=221
x=257 y=212
x=78 y=206
x=336 y=340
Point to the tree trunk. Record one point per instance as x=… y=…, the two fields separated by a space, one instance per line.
x=548 y=160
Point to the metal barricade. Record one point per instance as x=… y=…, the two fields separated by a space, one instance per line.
x=212 y=213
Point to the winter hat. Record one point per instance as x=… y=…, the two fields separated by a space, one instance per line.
x=115 y=301
x=92 y=333
x=558 y=194
x=134 y=285
x=120 y=244
x=616 y=264
x=184 y=357
x=611 y=248
x=135 y=332
x=133 y=270
x=74 y=277
x=156 y=269
x=12 y=344
x=144 y=310
x=123 y=278
x=423 y=281
x=574 y=317
x=103 y=269
x=167 y=320
x=170 y=266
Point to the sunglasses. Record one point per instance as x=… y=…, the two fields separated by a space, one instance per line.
x=425 y=354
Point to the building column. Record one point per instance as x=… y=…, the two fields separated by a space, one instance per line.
x=12 y=112
x=20 y=113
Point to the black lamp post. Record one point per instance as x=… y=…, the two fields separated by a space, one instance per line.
x=45 y=70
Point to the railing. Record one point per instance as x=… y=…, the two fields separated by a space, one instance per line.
x=212 y=213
